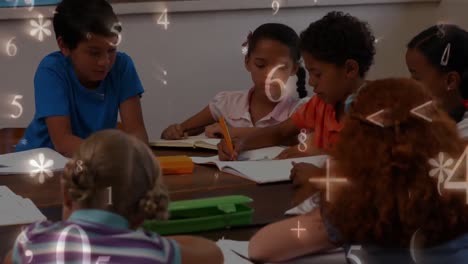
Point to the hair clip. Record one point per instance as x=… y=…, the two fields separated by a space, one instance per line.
x=245 y=45
x=245 y=50
x=445 y=56
x=249 y=36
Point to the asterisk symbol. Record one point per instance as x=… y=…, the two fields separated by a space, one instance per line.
x=40 y=27
x=440 y=168
x=42 y=168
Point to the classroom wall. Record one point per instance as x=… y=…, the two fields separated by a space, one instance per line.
x=454 y=11
x=201 y=53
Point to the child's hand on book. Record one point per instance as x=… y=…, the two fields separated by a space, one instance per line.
x=174 y=131
x=291 y=152
x=213 y=131
x=296 y=152
x=300 y=175
x=302 y=172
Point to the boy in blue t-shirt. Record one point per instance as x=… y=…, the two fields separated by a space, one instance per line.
x=81 y=88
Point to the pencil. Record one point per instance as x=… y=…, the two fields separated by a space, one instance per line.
x=225 y=131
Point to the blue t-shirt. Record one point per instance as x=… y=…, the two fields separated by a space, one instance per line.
x=58 y=92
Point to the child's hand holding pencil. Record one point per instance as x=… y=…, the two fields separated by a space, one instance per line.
x=228 y=149
x=226 y=153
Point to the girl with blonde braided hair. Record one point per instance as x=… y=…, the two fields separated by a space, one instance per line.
x=110 y=186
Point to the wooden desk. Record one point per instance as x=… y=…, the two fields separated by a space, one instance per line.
x=9 y=137
x=269 y=201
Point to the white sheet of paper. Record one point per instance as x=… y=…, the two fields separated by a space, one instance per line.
x=264 y=171
x=306 y=206
x=190 y=141
x=19 y=162
x=15 y=210
x=261 y=154
x=193 y=139
x=252 y=155
x=242 y=247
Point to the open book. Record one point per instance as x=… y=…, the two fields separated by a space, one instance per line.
x=190 y=142
x=237 y=252
x=261 y=171
x=41 y=159
x=253 y=155
x=15 y=210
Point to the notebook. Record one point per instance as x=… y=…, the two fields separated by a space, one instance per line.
x=261 y=171
x=190 y=142
x=252 y=155
x=232 y=249
x=41 y=159
x=15 y=210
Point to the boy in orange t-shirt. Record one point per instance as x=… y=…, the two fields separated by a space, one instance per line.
x=338 y=50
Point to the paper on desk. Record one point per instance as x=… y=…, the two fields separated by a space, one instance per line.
x=264 y=171
x=200 y=141
x=20 y=162
x=306 y=206
x=261 y=154
x=15 y=210
x=242 y=247
x=252 y=155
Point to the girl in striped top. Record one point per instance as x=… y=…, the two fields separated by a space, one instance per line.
x=109 y=187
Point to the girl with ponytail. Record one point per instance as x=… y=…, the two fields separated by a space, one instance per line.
x=272 y=56
x=438 y=58
x=110 y=186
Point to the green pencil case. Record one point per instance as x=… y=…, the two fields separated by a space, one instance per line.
x=204 y=215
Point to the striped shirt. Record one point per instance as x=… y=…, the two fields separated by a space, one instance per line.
x=93 y=236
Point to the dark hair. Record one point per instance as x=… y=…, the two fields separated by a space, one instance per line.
x=73 y=19
x=338 y=37
x=433 y=42
x=287 y=36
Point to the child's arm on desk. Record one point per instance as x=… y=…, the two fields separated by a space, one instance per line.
x=299 y=151
x=60 y=132
x=262 y=137
x=195 y=250
x=215 y=131
x=132 y=118
x=277 y=242
x=190 y=127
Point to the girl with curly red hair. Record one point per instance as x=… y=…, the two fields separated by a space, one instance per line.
x=390 y=198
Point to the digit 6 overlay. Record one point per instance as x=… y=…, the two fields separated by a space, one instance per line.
x=268 y=85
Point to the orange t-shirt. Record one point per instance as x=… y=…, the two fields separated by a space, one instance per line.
x=318 y=116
